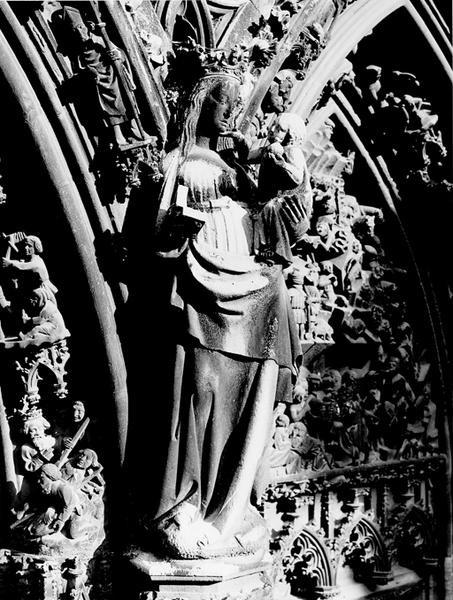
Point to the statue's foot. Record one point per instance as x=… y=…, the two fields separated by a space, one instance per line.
x=185 y=535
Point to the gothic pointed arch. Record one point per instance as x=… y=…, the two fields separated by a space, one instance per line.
x=365 y=552
x=306 y=563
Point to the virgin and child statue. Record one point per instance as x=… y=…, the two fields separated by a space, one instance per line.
x=232 y=345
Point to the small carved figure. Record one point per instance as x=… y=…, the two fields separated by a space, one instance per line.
x=308 y=450
x=281 y=445
x=65 y=432
x=319 y=246
x=299 y=406
x=153 y=46
x=369 y=81
x=40 y=447
x=277 y=98
x=58 y=509
x=84 y=471
x=371 y=402
x=317 y=326
x=45 y=322
x=318 y=329
x=103 y=70
x=284 y=186
x=31 y=270
x=297 y=295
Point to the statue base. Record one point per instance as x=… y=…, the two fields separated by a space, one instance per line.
x=204 y=579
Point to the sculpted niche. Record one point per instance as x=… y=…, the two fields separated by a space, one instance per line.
x=234 y=343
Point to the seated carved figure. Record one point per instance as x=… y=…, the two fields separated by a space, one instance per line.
x=321 y=245
x=45 y=323
x=83 y=471
x=58 y=516
x=36 y=449
x=40 y=447
x=306 y=452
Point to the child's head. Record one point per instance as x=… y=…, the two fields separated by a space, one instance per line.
x=289 y=128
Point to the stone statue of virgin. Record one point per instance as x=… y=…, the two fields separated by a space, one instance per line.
x=231 y=340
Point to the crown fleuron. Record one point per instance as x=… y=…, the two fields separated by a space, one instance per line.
x=211 y=62
x=31 y=414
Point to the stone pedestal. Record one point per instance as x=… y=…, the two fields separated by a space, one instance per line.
x=213 y=579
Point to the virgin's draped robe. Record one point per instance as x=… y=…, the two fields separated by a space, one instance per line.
x=236 y=348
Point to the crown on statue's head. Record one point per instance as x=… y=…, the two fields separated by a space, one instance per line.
x=32 y=413
x=215 y=62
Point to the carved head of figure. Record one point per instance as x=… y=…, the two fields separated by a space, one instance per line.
x=217 y=108
x=78 y=411
x=282 y=421
x=288 y=129
x=331 y=380
x=298 y=434
x=36 y=302
x=393 y=363
x=297 y=411
x=86 y=458
x=324 y=226
x=211 y=109
x=75 y=18
x=32 y=246
x=312 y=273
x=349 y=210
x=48 y=474
x=70 y=28
x=35 y=427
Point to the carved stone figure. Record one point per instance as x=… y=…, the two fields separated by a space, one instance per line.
x=37 y=448
x=60 y=517
x=30 y=309
x=84 y=472
x=281 y=446
x=277 y=98
x=284 y=186
x=103 y=71
x=235 y=341
x=69 y=428
x=40 y=447
x=31 y=270
x=317 y=327
x=308 y=450
x=297 y=295
x=45 y=322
